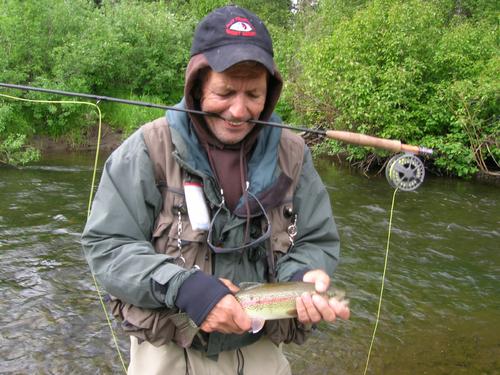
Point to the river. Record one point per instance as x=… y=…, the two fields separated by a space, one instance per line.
x=440 y=311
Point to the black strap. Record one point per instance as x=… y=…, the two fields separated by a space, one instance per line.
x=186 y=360
x=241 y=361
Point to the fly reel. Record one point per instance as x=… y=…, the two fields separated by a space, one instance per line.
x=405 y=172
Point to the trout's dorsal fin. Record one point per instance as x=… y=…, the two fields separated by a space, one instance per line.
x=245 y=285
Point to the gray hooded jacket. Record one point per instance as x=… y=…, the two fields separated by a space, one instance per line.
x=118 y=236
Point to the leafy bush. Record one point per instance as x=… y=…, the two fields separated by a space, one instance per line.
x=13 y=147
x=404 y=70
x=129 y=118
x=129 y=47
x=126 y=48
x=422 y=71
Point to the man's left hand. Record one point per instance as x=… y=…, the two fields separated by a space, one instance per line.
x=313 y=309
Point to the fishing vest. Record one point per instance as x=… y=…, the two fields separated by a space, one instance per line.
x=174 y=236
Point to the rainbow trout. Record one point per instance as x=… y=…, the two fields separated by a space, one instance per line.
x=261 y=302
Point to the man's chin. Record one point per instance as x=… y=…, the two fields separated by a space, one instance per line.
x=228 y=138
x=231 y=141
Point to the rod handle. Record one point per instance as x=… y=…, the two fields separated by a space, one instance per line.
x=370 y=141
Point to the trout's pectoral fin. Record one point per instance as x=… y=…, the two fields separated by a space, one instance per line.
x=257 y=325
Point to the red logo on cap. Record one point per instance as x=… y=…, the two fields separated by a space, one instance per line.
x=241 y=27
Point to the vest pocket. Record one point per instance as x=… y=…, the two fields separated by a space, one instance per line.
x=188 y=245
x=155 y=326
x=281 y=219
x=174 y=236
x=189 y=249
x=145 y=324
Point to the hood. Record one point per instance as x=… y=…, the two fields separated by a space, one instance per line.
x=194 y=68
x=228 y=162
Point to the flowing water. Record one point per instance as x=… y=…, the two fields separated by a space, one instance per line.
x=440 y=312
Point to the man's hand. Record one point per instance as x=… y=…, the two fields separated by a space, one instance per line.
x=227 y=316
x=313 y=309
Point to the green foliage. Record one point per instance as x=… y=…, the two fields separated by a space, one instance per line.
x=198 y=9
x=405 y=70
x=422 y=71
x=471 y=9
x=129 y=118
x=121 y=47
x=13 y=148
x=134 y=47
x=271 y=12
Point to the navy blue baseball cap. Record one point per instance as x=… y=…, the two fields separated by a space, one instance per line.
x=230 y=35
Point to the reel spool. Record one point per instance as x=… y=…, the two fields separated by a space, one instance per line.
x=405 y=172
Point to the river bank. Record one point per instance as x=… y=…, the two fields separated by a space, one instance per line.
x=112 y=137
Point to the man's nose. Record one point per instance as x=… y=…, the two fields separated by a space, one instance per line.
x=238 y=109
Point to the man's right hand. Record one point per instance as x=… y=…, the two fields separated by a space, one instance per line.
x=227 y=316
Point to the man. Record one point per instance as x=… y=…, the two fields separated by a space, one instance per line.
x=190 y=206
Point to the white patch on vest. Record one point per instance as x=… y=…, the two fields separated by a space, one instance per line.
x=196 y=206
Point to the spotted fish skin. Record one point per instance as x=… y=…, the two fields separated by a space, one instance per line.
x=261 y=302
x=277 y=300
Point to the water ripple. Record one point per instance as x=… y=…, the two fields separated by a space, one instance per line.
x=439 y=309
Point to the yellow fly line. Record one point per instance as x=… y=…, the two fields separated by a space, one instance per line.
x=383 y=281
x=91 y=196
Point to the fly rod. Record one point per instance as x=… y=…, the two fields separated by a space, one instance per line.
x=338 y=135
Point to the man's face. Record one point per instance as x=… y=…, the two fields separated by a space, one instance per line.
x=236 y=96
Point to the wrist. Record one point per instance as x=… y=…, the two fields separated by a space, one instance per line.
x=198 y=294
